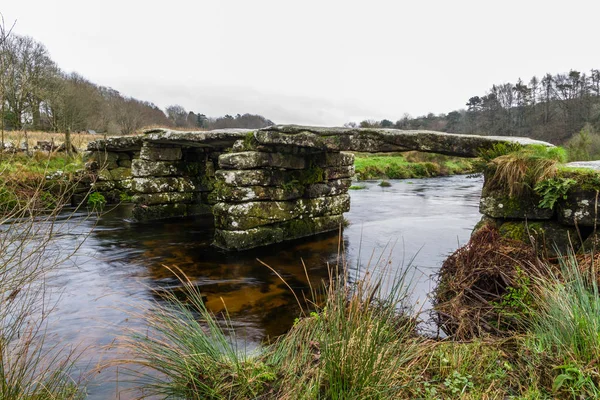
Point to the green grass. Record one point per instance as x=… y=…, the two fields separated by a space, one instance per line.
x=357 y=187
x=42 y=177
x=409 y=165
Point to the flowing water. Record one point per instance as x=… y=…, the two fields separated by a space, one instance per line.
x=416 y=222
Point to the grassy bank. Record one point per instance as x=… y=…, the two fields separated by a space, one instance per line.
x=42 y=178
x=409 y=165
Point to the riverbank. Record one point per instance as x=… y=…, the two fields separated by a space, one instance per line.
x=409 y=165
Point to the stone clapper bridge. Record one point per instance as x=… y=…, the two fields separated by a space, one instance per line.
x=263 y=186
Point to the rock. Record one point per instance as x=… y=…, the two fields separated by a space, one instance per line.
x=120 y=143
x=256 y=177
x=331 y=188
x=124 y=163
x=144 y=168
x=270 y=234
x=579 y=208
x=218 y=138
x=255 y=159
x=381 y=140
x=167 y=184
x=496 y=204
x=252 y=214
x=165 y=198
x=549 y=237
x=337 y=160
x=161 y=211
x=153 y=152
x=233 y=194
x=331 y=173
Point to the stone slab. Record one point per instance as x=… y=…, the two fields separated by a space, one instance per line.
x=265 y=235
x=249 y=215
x=167 y=184
x=255 y=159
x=579 y=208
x=331 y=188
x=163 y=211
x=165 y=198
x=376 y=140
x=151 y=152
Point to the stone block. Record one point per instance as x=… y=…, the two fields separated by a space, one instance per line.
x=331 y=188
x=270 y=234
x=165 y=198
x=153 y=152
x=161 y=211
x=249 y=215
x=234 y=194
x=255 y=159
x=331 y=173
x=579 y=208
x=497 y=204
x=335 y=159
x=256 y=177
x=144 y=168
x=167 y=184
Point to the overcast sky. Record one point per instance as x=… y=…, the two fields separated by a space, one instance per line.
x=312 y=62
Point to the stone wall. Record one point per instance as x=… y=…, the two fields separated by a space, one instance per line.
x=269 y=194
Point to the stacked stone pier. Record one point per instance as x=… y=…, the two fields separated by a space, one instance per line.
x=269 y=194
x=262 y=186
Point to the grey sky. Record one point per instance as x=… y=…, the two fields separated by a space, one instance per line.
x=312 y=62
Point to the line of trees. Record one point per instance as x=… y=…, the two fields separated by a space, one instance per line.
x=35 y=94
x=552 y=108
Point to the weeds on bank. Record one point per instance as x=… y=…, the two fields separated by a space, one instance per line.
x=30 y=367
x=42 y=177
x=521 y=169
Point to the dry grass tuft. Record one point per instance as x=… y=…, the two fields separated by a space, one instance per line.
x=473 y=281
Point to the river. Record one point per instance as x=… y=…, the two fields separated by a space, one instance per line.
x=417 y=222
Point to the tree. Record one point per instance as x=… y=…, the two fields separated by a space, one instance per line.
x=177 y=115
x=386 y=123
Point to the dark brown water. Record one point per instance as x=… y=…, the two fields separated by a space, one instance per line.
x=121 y=261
